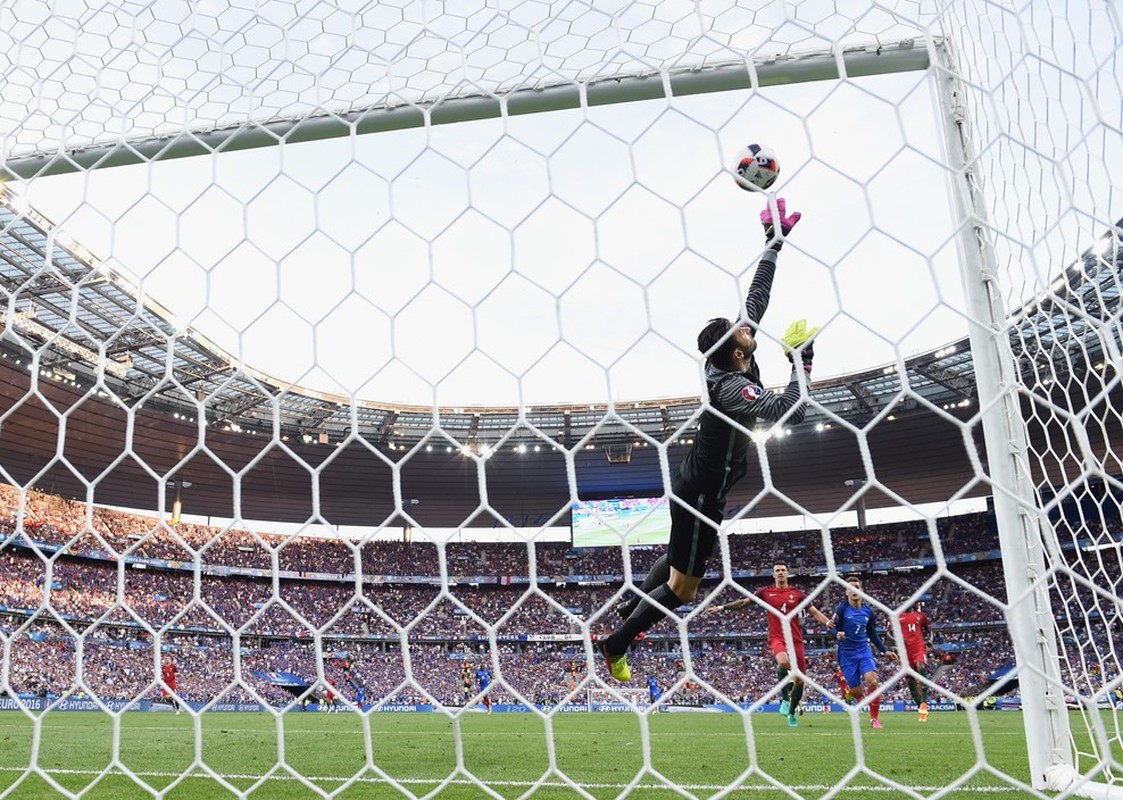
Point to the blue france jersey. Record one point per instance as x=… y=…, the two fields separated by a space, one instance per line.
x=858 y=625
x=484 y=678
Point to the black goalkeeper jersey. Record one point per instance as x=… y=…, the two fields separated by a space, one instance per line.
x=718 y=457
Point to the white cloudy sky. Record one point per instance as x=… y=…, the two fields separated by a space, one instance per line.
x=569 y=256
x=542 y=255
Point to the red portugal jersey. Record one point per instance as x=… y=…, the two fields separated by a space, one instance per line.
x=914 y=626
x=783 y=600
x=168 y=673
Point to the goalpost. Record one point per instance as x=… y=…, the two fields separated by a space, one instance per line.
x=537 y=193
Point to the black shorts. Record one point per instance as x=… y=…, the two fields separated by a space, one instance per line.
x=693 y=529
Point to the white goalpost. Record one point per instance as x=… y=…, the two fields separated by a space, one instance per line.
x=1022 y=535
x=1034 y=558
x=414 y=231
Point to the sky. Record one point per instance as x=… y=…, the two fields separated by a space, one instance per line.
x=569 y=256
x=536 y=259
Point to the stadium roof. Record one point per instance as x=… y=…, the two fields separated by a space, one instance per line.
x=98 y=348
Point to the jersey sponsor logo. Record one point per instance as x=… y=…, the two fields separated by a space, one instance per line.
x=751 y=393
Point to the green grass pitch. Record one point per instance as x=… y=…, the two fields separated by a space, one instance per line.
x=440 y=757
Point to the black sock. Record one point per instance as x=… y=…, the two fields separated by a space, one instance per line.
x=659 y=574
x=921 y=687
x=797 y=695
x=641 y=619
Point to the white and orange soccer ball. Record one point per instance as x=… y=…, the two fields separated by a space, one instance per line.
x=756 y=168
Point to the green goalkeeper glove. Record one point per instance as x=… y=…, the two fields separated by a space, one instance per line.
x=798 y=337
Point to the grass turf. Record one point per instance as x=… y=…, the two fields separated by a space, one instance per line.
x=431 y=754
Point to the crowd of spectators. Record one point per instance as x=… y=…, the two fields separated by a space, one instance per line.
x=121 y=665
x=406 y=641
x=83 y=529
x=83 y=591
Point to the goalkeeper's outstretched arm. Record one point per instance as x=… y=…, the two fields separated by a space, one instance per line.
x=760 y=291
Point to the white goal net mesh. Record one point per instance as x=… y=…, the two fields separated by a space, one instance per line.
x=348 y=356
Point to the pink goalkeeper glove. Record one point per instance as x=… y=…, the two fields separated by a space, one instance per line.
x=787 y=222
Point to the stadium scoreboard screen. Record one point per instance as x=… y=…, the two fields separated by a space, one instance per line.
x=616 y=521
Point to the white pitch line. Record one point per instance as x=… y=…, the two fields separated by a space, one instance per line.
x=492 y=734
x=699 y=787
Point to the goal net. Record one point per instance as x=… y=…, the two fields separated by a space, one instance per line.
x=322 y=324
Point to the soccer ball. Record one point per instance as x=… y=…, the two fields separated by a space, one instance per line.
x=756 y=168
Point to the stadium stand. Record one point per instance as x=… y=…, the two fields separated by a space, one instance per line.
x=541 y=655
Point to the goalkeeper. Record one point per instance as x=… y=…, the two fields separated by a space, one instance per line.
x=718 y=457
